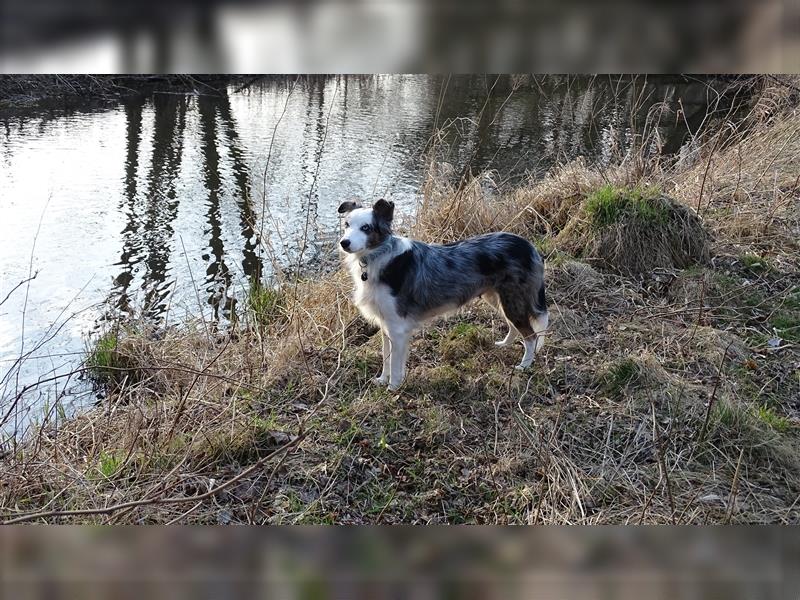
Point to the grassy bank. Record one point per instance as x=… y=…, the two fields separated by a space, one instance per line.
x=668 y=390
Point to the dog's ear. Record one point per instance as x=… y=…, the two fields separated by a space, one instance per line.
x=384 y=210
x=346 y=207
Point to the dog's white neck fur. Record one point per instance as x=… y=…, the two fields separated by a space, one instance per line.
x=374 y=260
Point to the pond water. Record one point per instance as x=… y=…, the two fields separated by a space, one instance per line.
x=156 y=204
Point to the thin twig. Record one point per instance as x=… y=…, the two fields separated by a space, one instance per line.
x=702 y=433
x=659 y=447
x=734 y=488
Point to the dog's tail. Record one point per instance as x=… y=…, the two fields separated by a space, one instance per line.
x=540 y=317
x=540 y=300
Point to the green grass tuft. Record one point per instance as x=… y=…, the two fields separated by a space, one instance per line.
x=792 y=301
x=265 y=424
x=621 y=375
x=728 y=415
x=464 y=330
x=754 y=263
x=104 y=358
x=265 y=305
x=436 y=421
x=754 y=424
x=768 y=416
x=787 y=325
x=109 y=464
x=609 y=204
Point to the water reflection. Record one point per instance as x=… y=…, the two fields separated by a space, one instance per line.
x=148 y=232
x=218 y=276
x=161 y=202
x=148 y=237
x=131 y=247
x=252 y=264
x=316 y=128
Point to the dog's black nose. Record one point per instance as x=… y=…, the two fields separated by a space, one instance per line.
x=345 y=244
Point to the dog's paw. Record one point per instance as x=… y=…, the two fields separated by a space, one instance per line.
x=393 y=387
x=502 y=344
x=380 y=380
x=521 y=367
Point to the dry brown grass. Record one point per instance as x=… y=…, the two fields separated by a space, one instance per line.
x=748 y=190
x=449 y=211
x=660 y=398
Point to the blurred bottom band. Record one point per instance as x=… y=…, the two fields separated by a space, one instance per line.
x=392 y=562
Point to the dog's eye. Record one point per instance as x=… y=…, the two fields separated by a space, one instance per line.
x=365 y=228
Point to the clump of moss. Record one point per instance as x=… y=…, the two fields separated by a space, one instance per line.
x=634 y=230
x=610 y=205
x=443 y=381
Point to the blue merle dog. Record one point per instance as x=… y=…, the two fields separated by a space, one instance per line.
x=401 y=283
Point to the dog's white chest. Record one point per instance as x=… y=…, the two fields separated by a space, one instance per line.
x=373 y=298
x=375 y=301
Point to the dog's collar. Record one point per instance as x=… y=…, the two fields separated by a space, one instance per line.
x=364 y=261
x=363 y=264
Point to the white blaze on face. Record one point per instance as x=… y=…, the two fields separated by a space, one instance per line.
x=358 y=225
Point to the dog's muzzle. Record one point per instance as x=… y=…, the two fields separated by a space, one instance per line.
x=345 y=244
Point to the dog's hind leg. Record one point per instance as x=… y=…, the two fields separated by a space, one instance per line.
x=533 y=337
x=383 y=378
x=523 y=326
x=540 y=317
x=510 y=338
x=493 y=299
x=516 y=308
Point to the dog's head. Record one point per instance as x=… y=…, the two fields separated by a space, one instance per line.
x=365 y=228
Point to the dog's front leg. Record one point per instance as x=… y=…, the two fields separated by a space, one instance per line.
x=399 y=355
x=383 y=378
